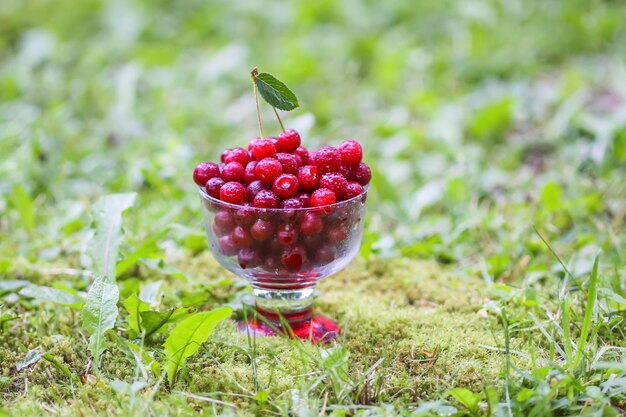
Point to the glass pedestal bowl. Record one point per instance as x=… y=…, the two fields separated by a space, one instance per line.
x=283 y=253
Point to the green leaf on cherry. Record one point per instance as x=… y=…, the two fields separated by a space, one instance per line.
x=275 y=92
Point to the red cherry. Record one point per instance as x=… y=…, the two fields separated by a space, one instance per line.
x=248 y=172
x=308 y=177
x=219 y=230
x=323 y=197
x=292 y=203
x=347 y=172
x=325 y=254
x=248 y=258
x=351 y=152
x=335 y=182
x=293 y=258
x=233 y=193
x=303 y=153
x=226 y=245
x=327 y=159
x=225 y=220
x=354 y=189
x=233 y=171
x=285 y=185
x=224 y=155
x=241 y=237
x=263 y=148
x=238 y=155
x=252 y=143
x=311 y=224
x=305 y=198
x=288 y=141
x=254 y=188
x=268 y=169
x=245 y=216
x=337 y=234
x=289 y=162
x=287 y=234
x=204 y=171
x=262 y=230
x=213 y=187
x=363 y=174
x=266 y=199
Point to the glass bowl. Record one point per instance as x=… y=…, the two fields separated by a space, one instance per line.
x=283 y=253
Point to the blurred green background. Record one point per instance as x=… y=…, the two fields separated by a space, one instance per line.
x=481 y=118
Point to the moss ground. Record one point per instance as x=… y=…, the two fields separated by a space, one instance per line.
x=411 y=330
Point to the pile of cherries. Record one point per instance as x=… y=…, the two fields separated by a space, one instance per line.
x=278 y=172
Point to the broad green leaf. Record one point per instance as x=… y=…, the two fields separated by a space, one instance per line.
x=51 y=295
x=153 y=321
x=491 y=120
x=4 y=319
x=275 y=92
x=524 y=395
x=23 y=202
x=187 y=337
x=147 y=249
x=104 y=245
x=551 y=196
x=12 y=285
x=150 y=292
x=99 y=314
x=147 y=360
x=134 y=306
x=261 y=397
x=32 y=356
x=466 y=397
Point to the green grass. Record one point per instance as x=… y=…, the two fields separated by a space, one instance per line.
x=497 y=137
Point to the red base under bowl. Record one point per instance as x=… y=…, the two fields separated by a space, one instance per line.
x=318 y=329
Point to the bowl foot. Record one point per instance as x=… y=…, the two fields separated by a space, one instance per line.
x=318 y=329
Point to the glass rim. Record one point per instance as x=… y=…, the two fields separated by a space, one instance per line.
x=206 y=196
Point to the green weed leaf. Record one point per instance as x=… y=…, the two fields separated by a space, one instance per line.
x=134 y=306
x=99 y=314
x=154 y=321
x=103 y=247
x=23 y=203
x=466 y=397
x=188 y=336
x=32 y=356
x=275 y=92
x=51 y=295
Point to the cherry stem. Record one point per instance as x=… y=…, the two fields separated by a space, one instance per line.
x=254 y=73
x=278 y=117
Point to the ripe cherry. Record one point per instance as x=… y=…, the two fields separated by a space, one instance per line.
x=287 y=234
x=288 y=141
x=293 y=258
x=238 y=155
x=268 y=169
x=363 y=174
x=353 y=189
x=351 y=152
x=308 y=177
x=248 y=172
x=232 y=171
x=322 y=197
x=233 y=193
x=262 y=230
x=303 y=153
x=213 y=187
x=241 y=237
x=254 y=188
x=311 y=224
x=327 y=159
x=263 y=148
x=289 y=162
x=285 y=185
x=335 y=182
x=204 y=171
x=266 y=199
